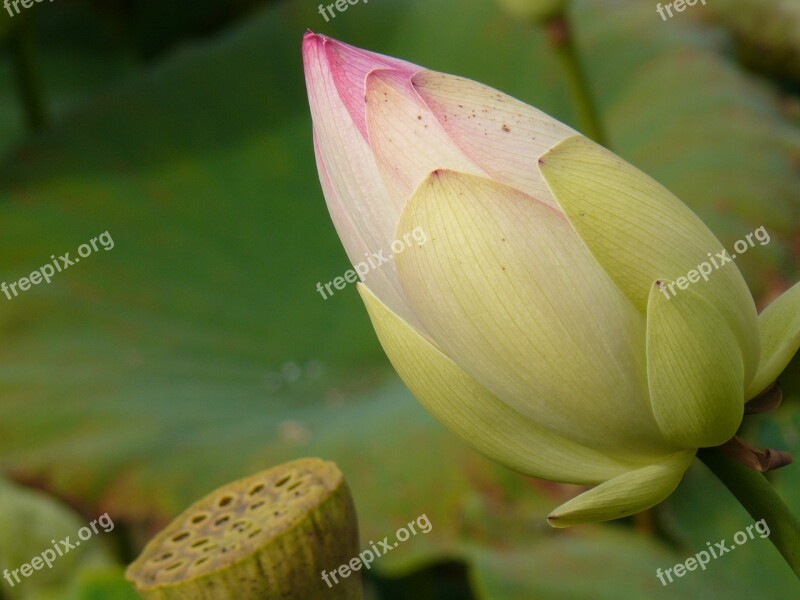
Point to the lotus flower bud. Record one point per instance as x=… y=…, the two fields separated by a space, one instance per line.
x=545 y=320
x=265 y=537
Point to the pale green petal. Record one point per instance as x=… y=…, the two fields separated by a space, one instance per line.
x=640 y=232
x=510 y=293
x=478 y=417
x=780 y=339
x=625 y=495
x=694 y=368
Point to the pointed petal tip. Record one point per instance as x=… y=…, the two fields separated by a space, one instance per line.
x=446 y=175
x=556 y=523
x=318 y=42
x=445 y=178
x=624 y=495
x=350 y=70
x=311 y=39
x=311 y=50
x=310 y=34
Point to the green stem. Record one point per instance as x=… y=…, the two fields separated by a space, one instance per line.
x=23 y=52
x=563 y=42
x=758 y=497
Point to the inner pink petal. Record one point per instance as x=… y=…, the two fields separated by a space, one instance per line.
x=350 y=67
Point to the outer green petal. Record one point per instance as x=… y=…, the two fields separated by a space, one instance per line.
x=625 y=495
x=694 y=368
x=482 y=420
x=508 y=291
x=780 y=339
x=640 y=232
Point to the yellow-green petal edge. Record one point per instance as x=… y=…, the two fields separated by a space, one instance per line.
x=481 y=419
x=625 y=495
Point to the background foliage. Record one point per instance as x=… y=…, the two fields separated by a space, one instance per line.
x=198 y=350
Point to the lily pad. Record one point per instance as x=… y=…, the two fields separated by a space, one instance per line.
x=197 y=350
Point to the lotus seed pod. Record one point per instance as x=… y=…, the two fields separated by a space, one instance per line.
x=265 y=537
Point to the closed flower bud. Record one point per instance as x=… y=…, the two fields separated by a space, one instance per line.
x=540 y=320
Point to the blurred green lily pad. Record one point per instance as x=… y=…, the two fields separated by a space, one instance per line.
x=198 y=350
